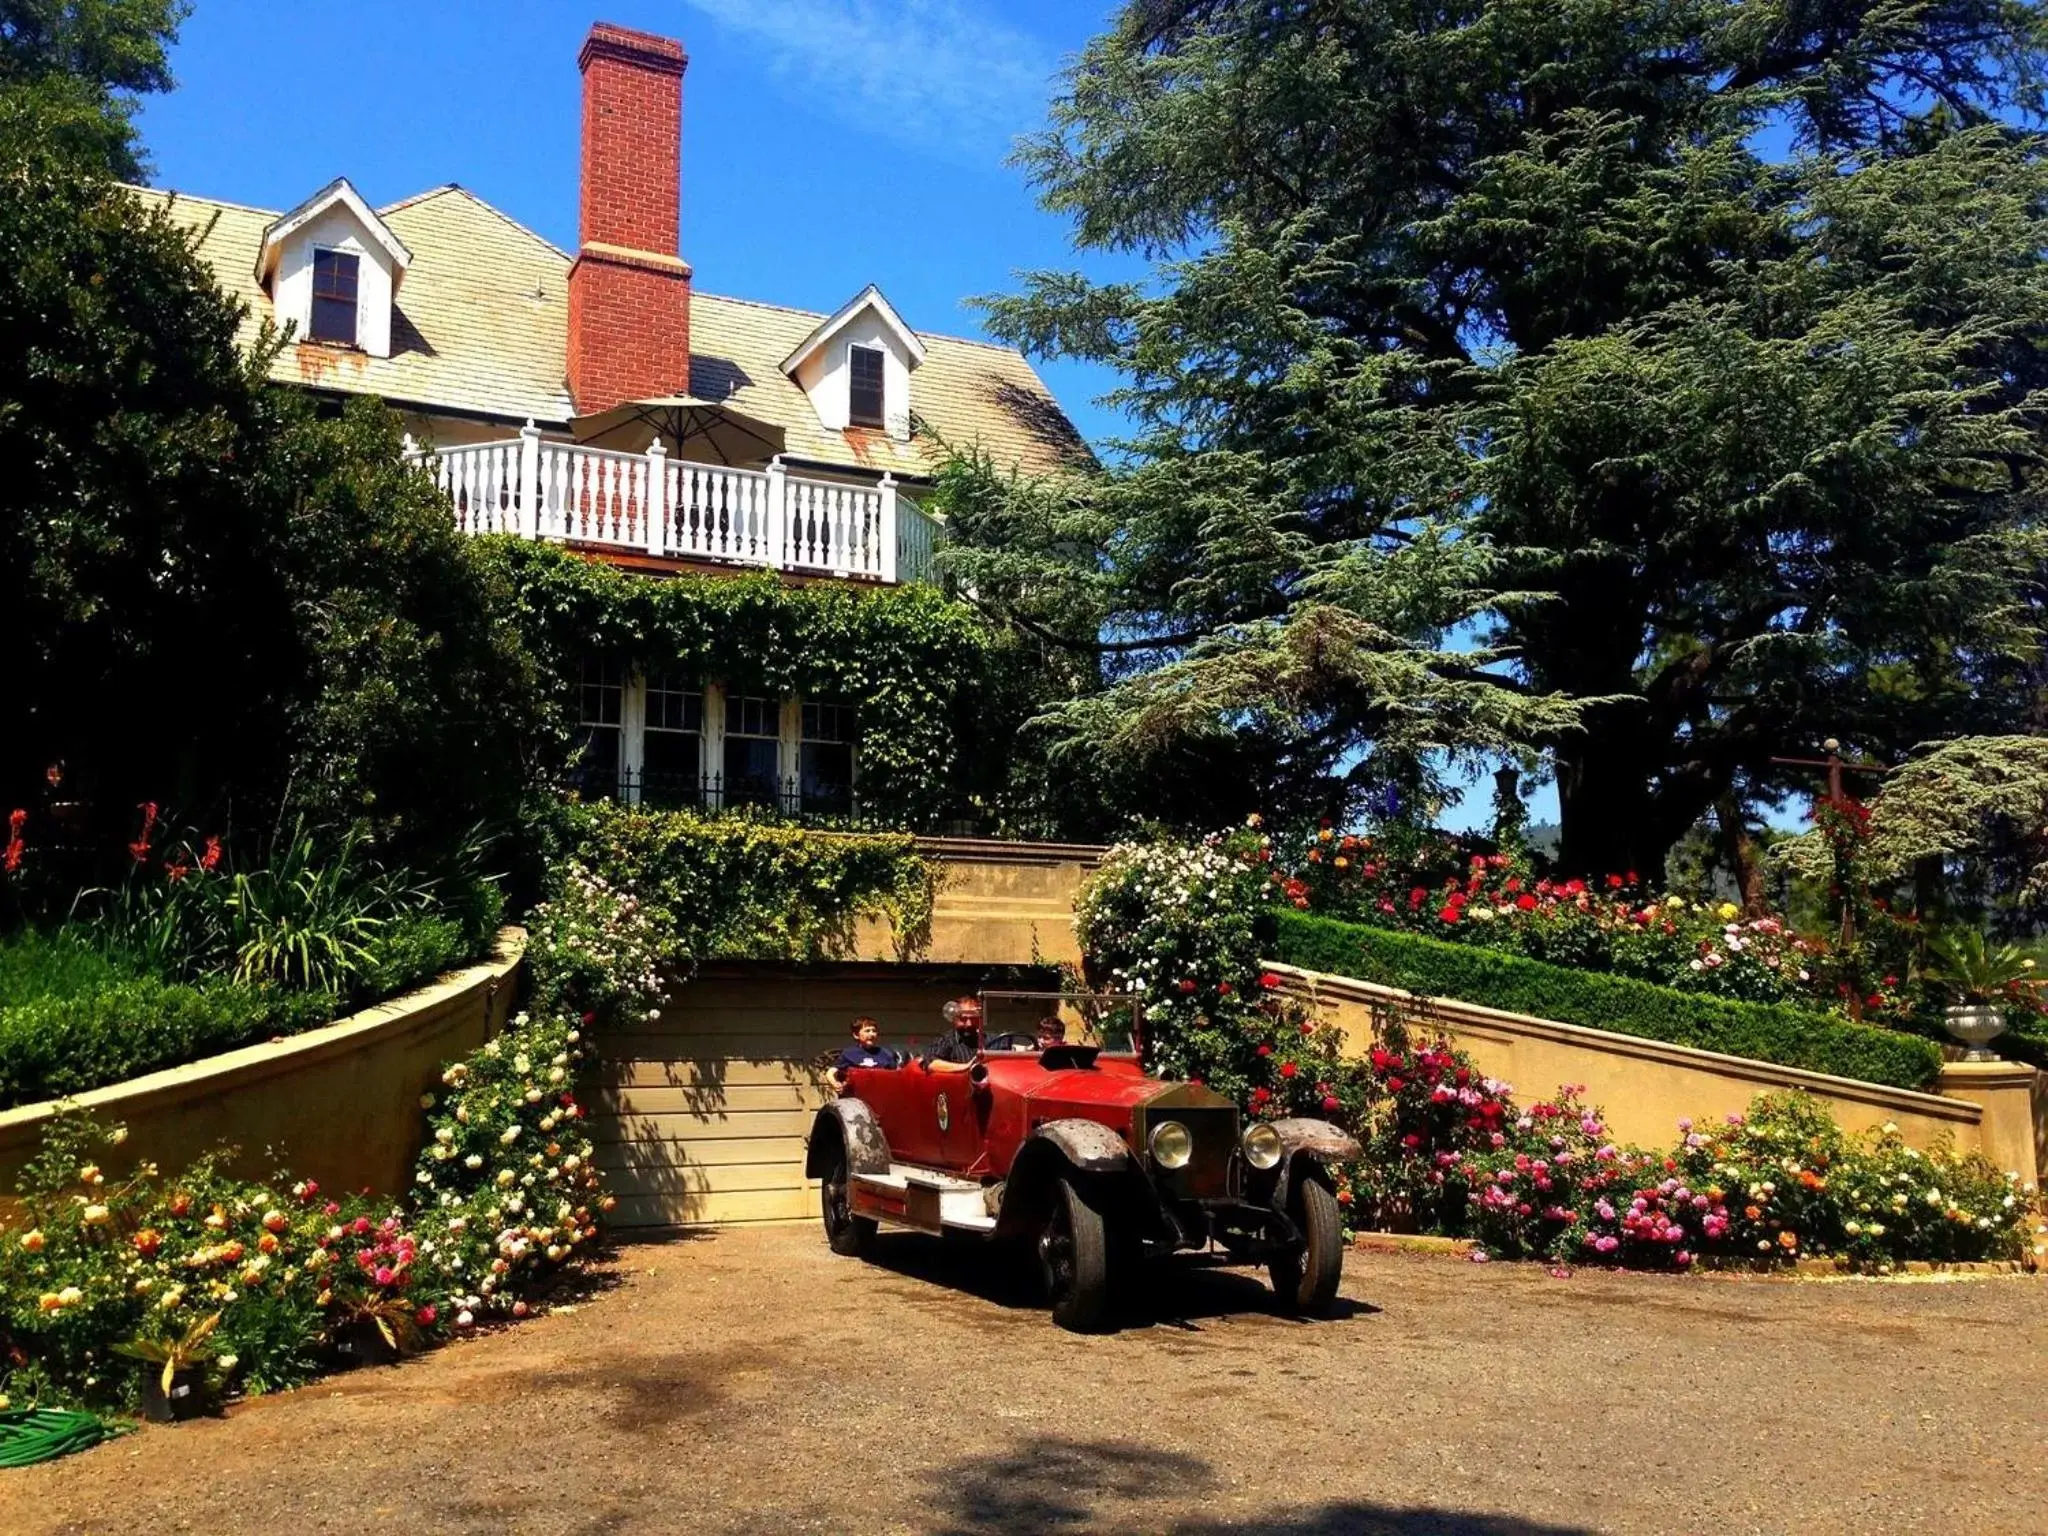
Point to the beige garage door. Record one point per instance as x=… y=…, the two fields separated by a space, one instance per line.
x=700 y=1115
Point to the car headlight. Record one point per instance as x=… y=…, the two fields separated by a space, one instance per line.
x=1172 y=1144
x=1262 y=1146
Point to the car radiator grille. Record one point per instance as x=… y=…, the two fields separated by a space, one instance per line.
x=1209 y=1173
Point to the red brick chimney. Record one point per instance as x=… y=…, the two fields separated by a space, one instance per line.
x=629 y=290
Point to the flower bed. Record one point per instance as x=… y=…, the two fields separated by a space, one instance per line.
x=1437 y=886
x=1774 y=1032
x=1448 y=1150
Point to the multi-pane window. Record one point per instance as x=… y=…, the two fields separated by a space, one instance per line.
x=600 y=715
x=753 y=742
x=334 y=297
x=825 y=757
x=671 y=748
x=865 y=371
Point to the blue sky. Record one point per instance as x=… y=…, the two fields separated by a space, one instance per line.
x=826 y=143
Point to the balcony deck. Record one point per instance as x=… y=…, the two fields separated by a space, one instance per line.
x=652 y=506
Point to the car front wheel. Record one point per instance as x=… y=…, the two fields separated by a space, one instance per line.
x=1073 y=1251
x=845 y=1232
x=1305 y=1282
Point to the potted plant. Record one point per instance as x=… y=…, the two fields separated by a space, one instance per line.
x=179 y=1389
x=377 y=1331
x=1979 y=978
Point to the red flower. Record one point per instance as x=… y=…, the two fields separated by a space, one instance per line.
x=209 y=857
x=1223 y=989
x=1265 y=1049
x=1447 y=913
x=1288 y=1069
x=139 y=849
x=1525 y=902
x=177 y=871
x=1261 y=1095
x=1614 y=882
x=1270 y=982
x=1331 y=1104
x=1187 y=985
x=1417 y=896
x=426 y=1315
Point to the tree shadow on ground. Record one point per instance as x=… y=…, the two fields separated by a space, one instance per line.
x=1182 y=1292
x=1058 y=1484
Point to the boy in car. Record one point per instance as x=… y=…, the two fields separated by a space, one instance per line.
x=866 y=1051
x=1052 y=1031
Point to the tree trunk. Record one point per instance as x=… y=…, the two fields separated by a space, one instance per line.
x=1739 y=850
x=1604 y=812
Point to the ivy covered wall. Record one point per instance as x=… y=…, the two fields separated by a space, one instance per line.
x=925 y=673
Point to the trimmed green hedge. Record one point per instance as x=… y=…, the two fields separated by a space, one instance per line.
x=74 y=1018
x=1775 y=1032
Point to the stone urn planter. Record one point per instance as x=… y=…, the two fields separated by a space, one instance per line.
x=1976 y=1025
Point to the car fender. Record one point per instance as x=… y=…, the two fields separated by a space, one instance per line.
x=1096 y=1157
x=1310 y=1146
x=854 y=1123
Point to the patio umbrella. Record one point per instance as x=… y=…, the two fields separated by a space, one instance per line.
x=681 y=421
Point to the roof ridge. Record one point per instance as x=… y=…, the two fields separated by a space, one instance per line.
x=491 y=208
x=169 y=193
x=825 y=314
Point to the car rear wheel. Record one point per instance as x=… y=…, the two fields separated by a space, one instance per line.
x=1073 y=1251
x=1305 y=1282
x=845 y=1232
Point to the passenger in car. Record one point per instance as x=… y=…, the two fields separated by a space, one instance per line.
x=1052 y=1031
x=866 y=1051
x=958 y=1050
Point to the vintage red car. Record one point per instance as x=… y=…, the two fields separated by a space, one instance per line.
x=1076 y=1151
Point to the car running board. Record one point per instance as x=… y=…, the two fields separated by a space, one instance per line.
x=923 y=1199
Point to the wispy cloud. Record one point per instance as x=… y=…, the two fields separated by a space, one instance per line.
x=946 y=77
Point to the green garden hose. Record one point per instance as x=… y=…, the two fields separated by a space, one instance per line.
x=30 y=1435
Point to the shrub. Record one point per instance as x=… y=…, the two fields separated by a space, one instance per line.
x=1778 y=1033
x=1453 y=1154
x=54 y=1046
x=729 y=886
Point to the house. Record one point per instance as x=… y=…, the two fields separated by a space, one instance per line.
x=604 y=401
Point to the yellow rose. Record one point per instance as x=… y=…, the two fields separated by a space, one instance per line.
x=32 y=1240
x=1728 y=911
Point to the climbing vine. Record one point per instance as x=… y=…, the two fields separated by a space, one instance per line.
x=911 y=660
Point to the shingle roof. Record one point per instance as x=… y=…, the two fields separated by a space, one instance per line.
x=481 y=328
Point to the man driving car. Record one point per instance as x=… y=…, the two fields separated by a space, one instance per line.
x=957 y=1051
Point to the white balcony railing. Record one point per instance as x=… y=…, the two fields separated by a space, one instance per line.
x=651 y=504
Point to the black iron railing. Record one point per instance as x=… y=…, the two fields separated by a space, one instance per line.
x=809 y=801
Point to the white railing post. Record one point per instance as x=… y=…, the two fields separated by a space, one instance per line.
x=773 y=533
x=885 y=527
x=657 y=490
x=529 y=480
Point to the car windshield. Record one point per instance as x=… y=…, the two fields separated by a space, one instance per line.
x=1108 y=1021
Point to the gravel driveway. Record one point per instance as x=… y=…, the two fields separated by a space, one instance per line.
x=752 y=1382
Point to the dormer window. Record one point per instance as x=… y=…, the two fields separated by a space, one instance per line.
x=856 y=367
x=334 y=297
x=332 y=268
x=867 y=372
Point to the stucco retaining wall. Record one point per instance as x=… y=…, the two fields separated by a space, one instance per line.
x=339 y=1104
x=998 y=903
x=1644 y=1087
